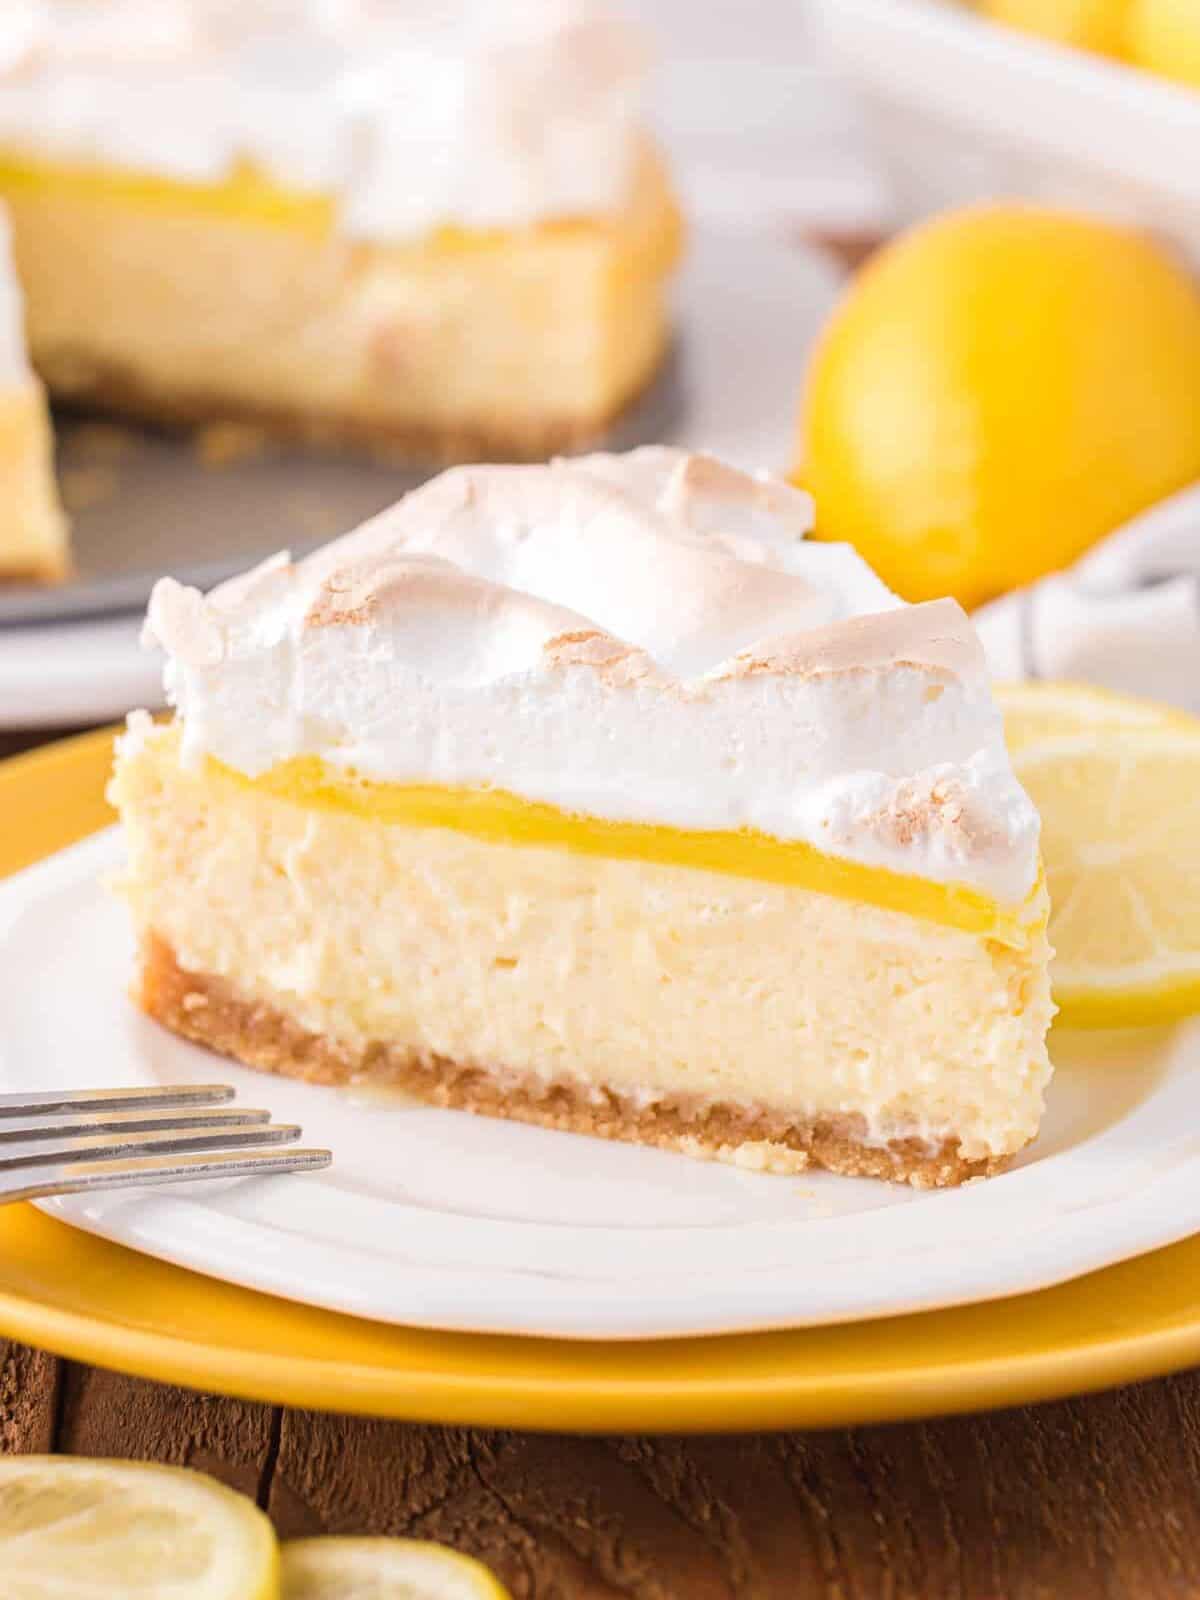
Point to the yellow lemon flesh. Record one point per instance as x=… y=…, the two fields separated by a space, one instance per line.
x=1164 y=37
x=999 y=389
x=1034 y=712
x=1117 y=783
x=87 y=1530
x=1087 y=24
x=383 y=1569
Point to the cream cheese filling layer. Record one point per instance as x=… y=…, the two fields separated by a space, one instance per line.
x=655 y=979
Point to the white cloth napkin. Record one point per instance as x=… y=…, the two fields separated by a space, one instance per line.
x=1126 y=617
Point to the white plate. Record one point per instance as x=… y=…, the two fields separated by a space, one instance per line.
x=748 y=310
x=445 y=1220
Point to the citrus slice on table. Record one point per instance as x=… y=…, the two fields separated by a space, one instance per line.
x=1117 y=784
x=383 y=1569
x=90 y=1530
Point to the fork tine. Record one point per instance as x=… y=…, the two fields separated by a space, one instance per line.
x=63 y=1124
x=117 y=1147
x=83 y=1100
x=84 y=1177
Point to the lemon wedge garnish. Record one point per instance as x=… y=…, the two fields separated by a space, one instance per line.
x=1036 y=711
x=1117 y=783
x=91 y=1530
x=383 y=1569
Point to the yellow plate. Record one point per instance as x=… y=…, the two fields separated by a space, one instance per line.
x=78 y=1295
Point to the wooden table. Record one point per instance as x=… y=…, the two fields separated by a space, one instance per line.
x=1090 y=1498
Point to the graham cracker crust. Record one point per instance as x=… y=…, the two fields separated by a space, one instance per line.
x=209 y=1011
x=84 y=385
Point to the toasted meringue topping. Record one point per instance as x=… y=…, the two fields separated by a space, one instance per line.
x=647 y=637
x=412 y=116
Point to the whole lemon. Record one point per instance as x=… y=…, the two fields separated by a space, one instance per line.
x=1086 y=24
x=1164 y=36
x=998 y=389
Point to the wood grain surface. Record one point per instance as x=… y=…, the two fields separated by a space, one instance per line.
x=1082 y=1499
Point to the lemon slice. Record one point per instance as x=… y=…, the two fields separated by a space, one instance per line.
x=89 y=1530
x=1036 y=711
x=1117 y=783
x=383 y=1569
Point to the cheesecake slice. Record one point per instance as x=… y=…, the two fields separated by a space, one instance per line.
x=595 y=795
x=33 y=530
x=442 y=237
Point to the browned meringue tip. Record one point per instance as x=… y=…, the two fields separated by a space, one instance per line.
x=935 y=636
x=674 y=547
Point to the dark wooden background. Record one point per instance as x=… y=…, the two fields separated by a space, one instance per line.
x=1088 y=1498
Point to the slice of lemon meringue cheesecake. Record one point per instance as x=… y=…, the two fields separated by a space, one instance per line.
x=33 y=529
x=440 y=231
x=593 y=794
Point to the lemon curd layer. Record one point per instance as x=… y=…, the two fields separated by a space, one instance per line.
x=245 y=194
x=499 y=817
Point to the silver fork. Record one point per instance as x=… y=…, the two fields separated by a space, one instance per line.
x=75 y=1141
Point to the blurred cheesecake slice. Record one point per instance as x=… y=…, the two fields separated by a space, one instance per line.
x=33 y=529
x=596 y=795
x=445 y=238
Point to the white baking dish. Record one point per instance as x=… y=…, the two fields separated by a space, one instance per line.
x=961 y=108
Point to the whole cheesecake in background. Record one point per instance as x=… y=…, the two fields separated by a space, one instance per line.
x=593 y=794
x=442 y=235
x=33 y=529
